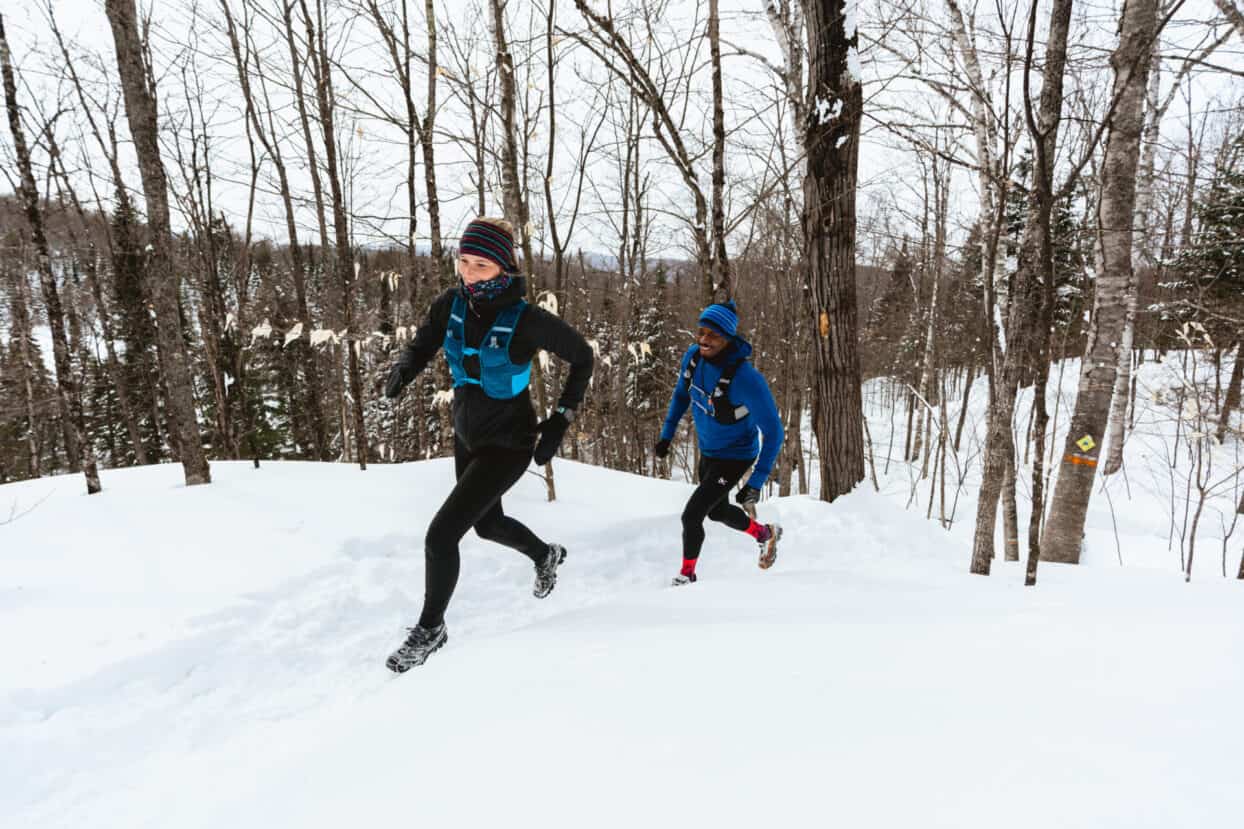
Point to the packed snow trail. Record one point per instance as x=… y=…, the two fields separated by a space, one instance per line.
x=214 y=657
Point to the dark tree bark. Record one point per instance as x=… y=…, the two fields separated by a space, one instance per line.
x=19 y=310
x=1233 y=393
x=721 y=264
x=1065 y=529
x=78 y=443
x=140 y=109
x=832 y=141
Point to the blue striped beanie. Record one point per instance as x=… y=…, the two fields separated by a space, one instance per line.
x=722 y=318
x=485 y=239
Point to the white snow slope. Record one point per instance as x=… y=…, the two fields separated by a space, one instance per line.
x=213 y=657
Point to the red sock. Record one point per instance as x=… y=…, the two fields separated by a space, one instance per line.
x=756 y=531
x=688 y=566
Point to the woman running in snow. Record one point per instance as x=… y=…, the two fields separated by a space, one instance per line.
x=731 y=407
x=490 y=335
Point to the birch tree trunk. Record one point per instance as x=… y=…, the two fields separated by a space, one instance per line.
x=425 y=140
x=1065 y=529
x=989 y=171
x=1144 y=243
x=832 y=140
x=1000 y=453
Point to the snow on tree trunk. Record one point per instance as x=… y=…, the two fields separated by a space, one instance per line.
x=983 y=131
x=832 y=140
x=1130 y=61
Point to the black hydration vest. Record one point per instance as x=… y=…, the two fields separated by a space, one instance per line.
x=719 y=405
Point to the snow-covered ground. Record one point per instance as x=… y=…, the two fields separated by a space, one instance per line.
x=214 y=656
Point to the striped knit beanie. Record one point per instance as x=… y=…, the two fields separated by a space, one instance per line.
x=482 y=238
x=722 y=318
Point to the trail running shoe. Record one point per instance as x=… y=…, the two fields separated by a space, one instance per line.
x=682 y=578
x=546 y=571
x=768 y=545
x=419 y=645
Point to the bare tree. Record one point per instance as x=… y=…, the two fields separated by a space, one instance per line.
x=1233 y=14
x=1130 y=61
x=1144 y=245
x=266 y=133
x=140 y=107
x=1035 y=267
x=78 y=443
x=514 y=189
x=832 y=138
x=609 y=45
x=721 y=263
x=343 y=260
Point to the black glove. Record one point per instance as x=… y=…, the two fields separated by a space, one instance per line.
x=662 y=448
x=551 y=433
x=747 y=495
x=396 y=382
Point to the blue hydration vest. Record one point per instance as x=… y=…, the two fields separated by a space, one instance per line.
x=500 y=378
x=717 y=402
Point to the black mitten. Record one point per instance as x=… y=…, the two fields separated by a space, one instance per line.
x=551 y=433
x=748 y=495
x=396 y=382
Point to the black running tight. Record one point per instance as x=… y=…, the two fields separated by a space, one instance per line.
x=483 y=477
x=711 y=499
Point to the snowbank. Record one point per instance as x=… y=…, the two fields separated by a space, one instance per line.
x=214 y=656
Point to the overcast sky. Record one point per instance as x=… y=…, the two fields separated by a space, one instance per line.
x=890 y=176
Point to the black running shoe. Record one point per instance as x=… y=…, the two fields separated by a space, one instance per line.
x=419 y=645
x=546 y=571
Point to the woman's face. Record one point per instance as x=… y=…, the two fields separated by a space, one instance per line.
x=474 y=269
x=711 y=343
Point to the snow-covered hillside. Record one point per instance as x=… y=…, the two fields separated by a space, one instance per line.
x=214 y=657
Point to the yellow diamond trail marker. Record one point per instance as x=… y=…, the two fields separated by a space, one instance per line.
x=1086 y=443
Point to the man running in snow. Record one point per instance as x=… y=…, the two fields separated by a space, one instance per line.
x=731 y=408
x=490 y=335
